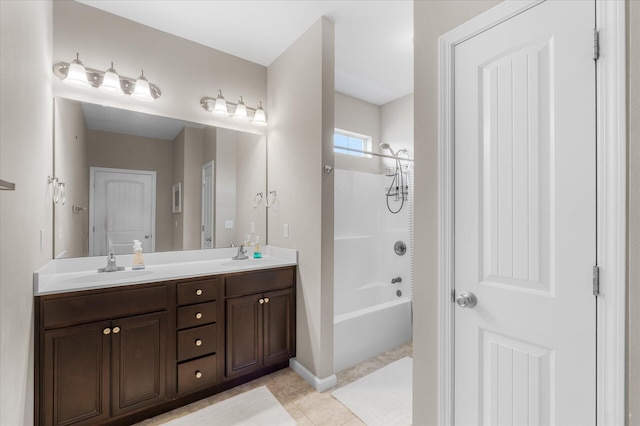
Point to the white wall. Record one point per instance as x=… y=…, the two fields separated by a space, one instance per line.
x=431 y=19
x=26 y=158
x=300 y=140
x=225 y=180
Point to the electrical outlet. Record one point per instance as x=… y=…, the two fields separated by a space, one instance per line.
x=286 y=230
x=253 y=227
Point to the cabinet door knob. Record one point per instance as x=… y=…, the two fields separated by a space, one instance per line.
x=198 y=315
x=116 y=330
x=198 y=342
x=199 y=292
x=261 y=301
x=266 y=300
x=198 y=375
x=106 y=331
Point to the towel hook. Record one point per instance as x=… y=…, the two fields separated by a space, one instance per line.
x=273 y=199
x=257 y=199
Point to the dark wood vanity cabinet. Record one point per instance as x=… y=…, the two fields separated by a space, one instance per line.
x=260 y=320
x=99 y=361
x=120 y=355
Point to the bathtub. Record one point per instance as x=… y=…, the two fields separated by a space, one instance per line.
x=370 y=320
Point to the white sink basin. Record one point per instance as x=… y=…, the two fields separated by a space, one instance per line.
x=248 y=262
x=108 y=276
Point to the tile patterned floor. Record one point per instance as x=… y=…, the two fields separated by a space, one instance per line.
x=307 y=406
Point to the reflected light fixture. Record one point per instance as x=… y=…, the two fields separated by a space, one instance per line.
x=77 y=75
x=142 y=91
x=241 y=112
x=111 y=83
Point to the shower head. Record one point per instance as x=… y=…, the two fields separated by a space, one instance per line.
x=386 y=146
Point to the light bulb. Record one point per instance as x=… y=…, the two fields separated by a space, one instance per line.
x=220 y=107
x=142 y=91
x=111 y=83
x=241 y=111
x=259 y=118
x=77 y=74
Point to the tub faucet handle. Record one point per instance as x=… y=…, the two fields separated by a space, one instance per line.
x=396 y=280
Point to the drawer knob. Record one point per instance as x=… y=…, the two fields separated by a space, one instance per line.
x=116 y=330
x=261 y=301
x=198 y=342
x=198 y=375
x=106 y=331
x=266 y=300
x=198 y=315
x=199 y=292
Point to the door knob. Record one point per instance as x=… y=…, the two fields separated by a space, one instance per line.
x=467 y=300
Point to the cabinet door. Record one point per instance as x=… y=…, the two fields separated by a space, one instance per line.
x=76 y=374
x=244 y=335
x=278 y=326
x=139 y=362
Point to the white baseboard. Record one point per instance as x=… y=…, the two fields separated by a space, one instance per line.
x=320 y=385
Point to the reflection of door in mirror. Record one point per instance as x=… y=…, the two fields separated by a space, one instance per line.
x=122 y=208
x=207 y=206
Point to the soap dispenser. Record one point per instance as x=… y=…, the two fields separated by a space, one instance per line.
x=257 y=254
x=138 y=261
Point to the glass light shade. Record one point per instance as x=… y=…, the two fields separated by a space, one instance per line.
x=142 y=91
x=220 y=108
x=77 y=75
x=111 y=83
x=241 y=111
x=260 y=118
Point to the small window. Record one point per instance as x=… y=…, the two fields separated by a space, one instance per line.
x=353 y=141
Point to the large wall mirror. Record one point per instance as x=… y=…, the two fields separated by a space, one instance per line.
x=173 y=185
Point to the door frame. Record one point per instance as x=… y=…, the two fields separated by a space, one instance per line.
x=92 y=182
x=611 y=208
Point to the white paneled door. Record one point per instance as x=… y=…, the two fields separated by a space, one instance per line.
x=525 y=220
x=122 y=209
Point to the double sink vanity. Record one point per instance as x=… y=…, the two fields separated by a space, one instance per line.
x=119 y=347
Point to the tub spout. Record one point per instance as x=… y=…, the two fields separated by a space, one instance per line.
x=396 y=280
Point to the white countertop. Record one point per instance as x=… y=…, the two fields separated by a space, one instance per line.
x=65 y=275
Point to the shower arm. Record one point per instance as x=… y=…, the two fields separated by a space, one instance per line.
x=375 y=153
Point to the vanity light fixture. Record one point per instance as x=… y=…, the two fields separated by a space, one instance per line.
x=111 y=83
x=77 y=75
x=241 y=111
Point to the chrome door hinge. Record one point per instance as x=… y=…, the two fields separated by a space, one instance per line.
x=596 y=280
x=453 y=296
x=596 y=44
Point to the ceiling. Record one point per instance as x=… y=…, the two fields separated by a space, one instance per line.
x=374 y=38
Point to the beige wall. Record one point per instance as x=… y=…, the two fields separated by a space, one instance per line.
x=185 y=71
x=250 y=179
x=633 y=213
x=362 y=117
x=26 y=158
x=71 y=237
x=178 y=176
x=225 y=177
x=431 y=19
x=301 y=86
x=119 y=151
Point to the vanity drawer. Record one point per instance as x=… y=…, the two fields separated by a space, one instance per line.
x=197 y=291
x=197 y=342
x=91 y=306
x=197 y=374
x=194 y=315
x=258 y=282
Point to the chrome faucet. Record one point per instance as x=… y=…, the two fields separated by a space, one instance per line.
x=112 y=266
x=241 y=253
